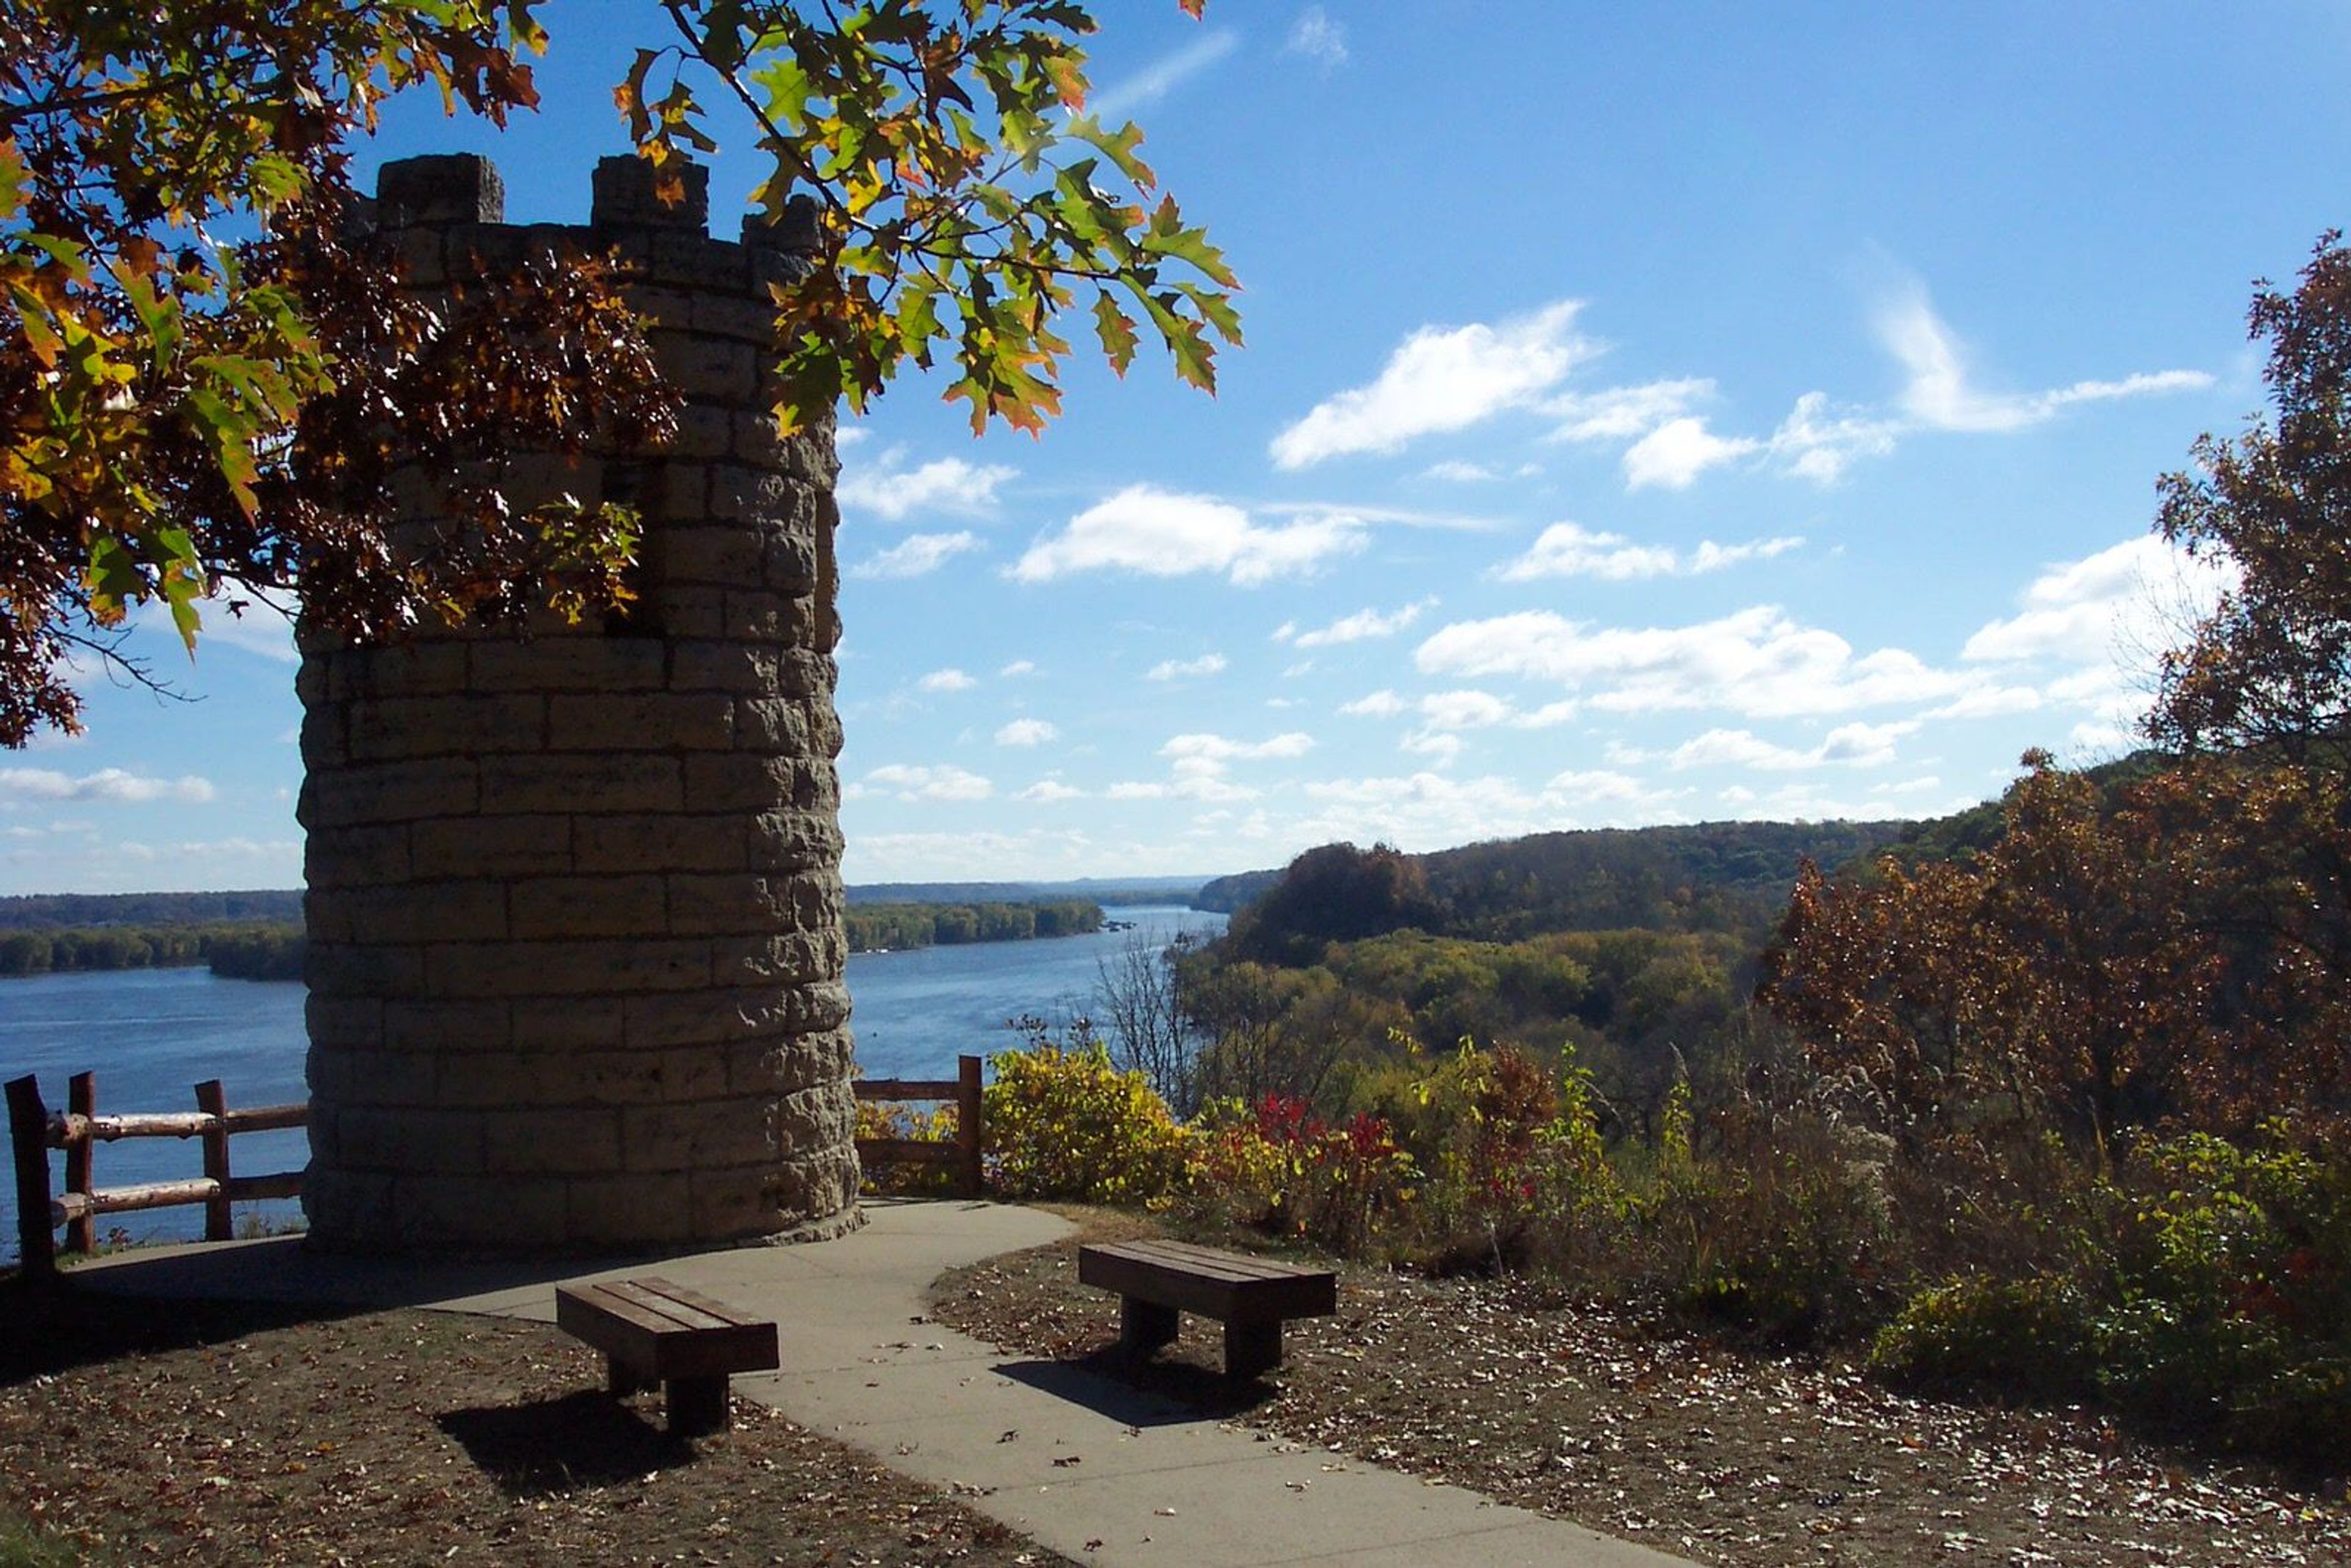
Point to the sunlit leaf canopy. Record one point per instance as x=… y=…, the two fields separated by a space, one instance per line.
x=205 y=364
x=966 y=198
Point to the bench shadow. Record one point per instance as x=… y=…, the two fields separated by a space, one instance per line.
x=1158 y=1391
x=550 y=1446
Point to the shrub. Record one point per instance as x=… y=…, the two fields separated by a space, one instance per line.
x=1975 y=1334
x=1777 y=1230
x=1062 y=1121
x=2234 y=1295
x=1475 y=1126
x=1284 y=1170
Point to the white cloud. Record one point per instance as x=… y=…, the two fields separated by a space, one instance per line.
x=1161 y=533
x=1047 y=791
x=1218 y=750
x=1622 y=413
x=1431 y=810
x=1441 y=378
x=1027 y=732
x=1817 y=443
x=1162 y=77
x=1939 y=395
x=111 y=786
x=1757 y=662
x=1018 y=668
x=1445 y=747
x=1378 y=704
x=1569 y=550
x=1675 y=452
x=1186 y=669
x=893 y=494
x=949 y=680
x=1598 y=785
x=1460 y=473
x=1464 y=710
x=1363 y=625
x=916 y=555
x=2125 y=603
x=945 y=782
x=1318 y=37
x=1989 y=702
x=1850 y=745
x=971 y=855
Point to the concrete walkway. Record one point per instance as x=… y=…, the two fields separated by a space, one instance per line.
x=1091 y=1467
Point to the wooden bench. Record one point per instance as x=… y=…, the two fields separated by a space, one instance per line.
x=653 y=1332
x=1158 y=1279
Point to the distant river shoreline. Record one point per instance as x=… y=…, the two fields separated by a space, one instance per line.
x=150 y=1035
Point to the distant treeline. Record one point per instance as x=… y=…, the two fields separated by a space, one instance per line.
x=272 y=950
x=875 y=926
x=1708 y=877
x=56 y=910
x=244 y=950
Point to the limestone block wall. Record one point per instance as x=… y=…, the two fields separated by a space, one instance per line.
x=574 y=901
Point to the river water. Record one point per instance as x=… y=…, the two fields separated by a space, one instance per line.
x=151 y=1035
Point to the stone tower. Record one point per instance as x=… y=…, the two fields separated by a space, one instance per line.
x=574 y=910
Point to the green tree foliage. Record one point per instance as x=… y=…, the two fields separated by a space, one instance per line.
x=874 y=927
x=240 y=950
x=1334 y=894
x=207 y=367
x=2272 y=665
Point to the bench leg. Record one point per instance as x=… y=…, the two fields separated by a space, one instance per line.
x=1251 y=1348
x=697 y=1405
x=621 y=1380
x=1144 y=1326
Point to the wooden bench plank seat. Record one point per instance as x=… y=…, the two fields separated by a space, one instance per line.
x=1158 y=1279
x=652 y=1331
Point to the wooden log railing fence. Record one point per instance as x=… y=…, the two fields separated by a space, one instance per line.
x=963 y=1153
x=34 y=1130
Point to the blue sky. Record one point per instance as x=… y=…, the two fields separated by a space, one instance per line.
x=1650 y=414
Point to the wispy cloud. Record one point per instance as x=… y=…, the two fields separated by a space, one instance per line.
x=1569 y=550
x=1442 y=379
x=1759 y=662
x=1162 y=533
x=1624 y=413
x=1849 y=745
x=915 y=555
x=948 y=680
x=1319 y=39
x=1361 y=626
x=1027 y=732
x=1673 y=455
x=1161 y=77
x=1939 y=395
x=2124 y=604
x=889 y=491
x=911 y=782
x=1186 y=669
x=111 y=786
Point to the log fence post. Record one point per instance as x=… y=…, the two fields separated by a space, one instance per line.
x=28 y=1134
x=81 y=1099
x=212 y=1101
x=968 y=1128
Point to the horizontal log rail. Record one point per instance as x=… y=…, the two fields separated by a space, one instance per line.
x=963 y=1154
x=34 y=1130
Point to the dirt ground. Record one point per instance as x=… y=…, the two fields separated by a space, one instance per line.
x=143 y=1431
x=1722 y=1456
